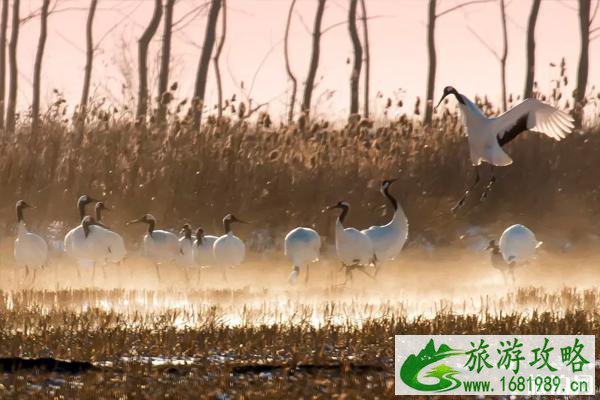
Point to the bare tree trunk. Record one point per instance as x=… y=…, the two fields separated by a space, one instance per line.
x=314 y=60
x=367 y=58
x=207 y=48
x=165 y=60
x=3 y=29
x=143 y=44
x=89 y=59
x=356 y=66
x=432 y=62
x=287 y=64
x=37 y=68
x=504 y=54
x=12 y=59
x=530 y=74
x=216 y=61
x=582 y=71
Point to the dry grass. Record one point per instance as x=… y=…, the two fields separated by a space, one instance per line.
x=149 y=353
x=281 y=176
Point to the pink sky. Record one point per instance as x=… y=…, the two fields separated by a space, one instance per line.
x=254 y=48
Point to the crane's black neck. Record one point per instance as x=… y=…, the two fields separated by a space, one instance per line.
x=345 y=210
x=188 y=235
x=98 y=214
x=199 y=239
x=151 y=224
x=227 y=225
x=391 y=198
x=81 y=206
x=86 y=228
x=457 y=95
x=20 y=214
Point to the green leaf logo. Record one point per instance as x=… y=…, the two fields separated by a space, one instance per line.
x=413 y=365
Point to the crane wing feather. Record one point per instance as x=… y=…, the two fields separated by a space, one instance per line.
x=532 y=115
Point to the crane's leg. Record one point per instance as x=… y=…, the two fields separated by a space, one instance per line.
x=78 y=273
x=346 y=275
x=462 y=201
x=33 y=278
x=512 y=272
x=504 y=278
x=224 y=273
x=26 y=275
x=157 y=268
x=490 y=184
x=376 y=265
x=361 y=268
x=187 y=275
x=307 y=273
x=349 y=276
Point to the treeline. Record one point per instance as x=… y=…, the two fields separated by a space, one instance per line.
x=155 y=108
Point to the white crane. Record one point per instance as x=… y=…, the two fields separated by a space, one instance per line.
x=186 y=246
x=354 y=248
x=82 y=202
x=30 y=250
x=488 y=136
x=158 y=245
x=202 y=250
x=302 y=247
x=91 y=243
x=388 y=240
x=517 y=245
x=229 y=250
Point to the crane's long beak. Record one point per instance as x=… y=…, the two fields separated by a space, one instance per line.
x=135 y=221
x=242 y=222
x=442 y=99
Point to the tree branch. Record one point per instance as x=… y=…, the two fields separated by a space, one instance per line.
x=566 y=5
x=330 y=27
x=303 y=23
x=190 y=15
x=594 y=13
x=483 y=42
x=468 y=3
x=114 y=26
